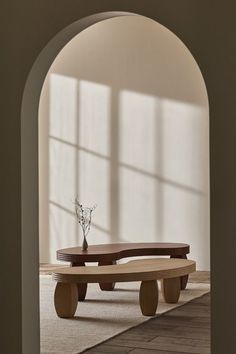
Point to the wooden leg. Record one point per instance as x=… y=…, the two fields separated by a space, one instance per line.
x=183 y=281
x=148 y=297
x=107 y=286
x=171 y=290
x=82 y=290
x=82 y=287
x=184 y=278
x=65 y=299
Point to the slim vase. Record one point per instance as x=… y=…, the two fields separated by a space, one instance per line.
x=84 y=244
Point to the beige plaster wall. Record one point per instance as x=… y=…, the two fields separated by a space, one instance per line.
x=123 y=122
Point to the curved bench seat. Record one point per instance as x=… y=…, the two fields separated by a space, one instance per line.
x=115 y=251
x=148 y=271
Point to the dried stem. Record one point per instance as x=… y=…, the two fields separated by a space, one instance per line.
x=84 y=216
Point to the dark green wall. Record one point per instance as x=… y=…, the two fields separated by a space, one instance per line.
x=208 y=29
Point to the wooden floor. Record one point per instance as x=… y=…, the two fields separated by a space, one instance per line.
x=185 y=329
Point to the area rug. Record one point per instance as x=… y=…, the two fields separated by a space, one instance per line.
x=103 y=315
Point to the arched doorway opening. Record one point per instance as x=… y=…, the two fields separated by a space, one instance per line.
x=29 y=124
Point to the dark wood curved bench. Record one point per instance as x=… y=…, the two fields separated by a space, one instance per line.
x=148 y=271
x=108 y=254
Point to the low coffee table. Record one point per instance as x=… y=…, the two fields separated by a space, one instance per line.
x=108 y=254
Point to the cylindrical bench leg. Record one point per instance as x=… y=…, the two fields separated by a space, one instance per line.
x=171 y=289
x=183 y=281
x=82 y=290
x=65 y=299
x=82 y=287
x=107 y=286
x=184 y=278
x=148 y=297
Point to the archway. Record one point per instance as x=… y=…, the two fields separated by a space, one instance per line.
x=29 y=156
x=123 y=119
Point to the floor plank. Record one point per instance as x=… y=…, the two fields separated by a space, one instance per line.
x=111 y=349
x=184 y=345
x=151 y=351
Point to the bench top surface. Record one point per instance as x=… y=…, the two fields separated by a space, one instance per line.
x=136 y=270
x=117 y=251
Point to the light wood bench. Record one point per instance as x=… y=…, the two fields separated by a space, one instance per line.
x=148 y=271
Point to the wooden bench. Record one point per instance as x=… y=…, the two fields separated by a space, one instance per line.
x=108 y=254
x=148 y=271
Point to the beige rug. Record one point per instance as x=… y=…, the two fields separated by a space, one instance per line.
x=103 y=315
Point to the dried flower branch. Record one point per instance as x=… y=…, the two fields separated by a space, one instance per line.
x=84 y=216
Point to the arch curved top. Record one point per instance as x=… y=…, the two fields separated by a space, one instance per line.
x=46 y=57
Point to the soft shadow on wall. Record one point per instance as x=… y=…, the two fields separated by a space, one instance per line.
x=123 y=122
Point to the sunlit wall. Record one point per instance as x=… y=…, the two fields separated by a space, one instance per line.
x=123 y=123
